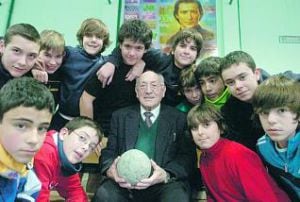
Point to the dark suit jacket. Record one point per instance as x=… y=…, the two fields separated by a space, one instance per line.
x=174 y=151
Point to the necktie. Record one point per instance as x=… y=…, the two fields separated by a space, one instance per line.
x=148 y=120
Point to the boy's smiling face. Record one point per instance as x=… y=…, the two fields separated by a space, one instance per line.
x=52 y=59
x=78 y=144
x=92 y=44
x=19 y=55
x=241 y=81
x=185 y=53
x=280 y=124
x=23 y=130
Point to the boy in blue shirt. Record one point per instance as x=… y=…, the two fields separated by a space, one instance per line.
x=50 y=60
x=78 y=65
x=276 y=101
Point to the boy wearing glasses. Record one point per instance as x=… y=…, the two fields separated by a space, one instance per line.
x=58 y=162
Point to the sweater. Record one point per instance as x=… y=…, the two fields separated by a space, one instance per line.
x=76 y=69
x=228 y=172
x=48 y=167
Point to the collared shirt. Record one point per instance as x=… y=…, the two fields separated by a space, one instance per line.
x=155 y=113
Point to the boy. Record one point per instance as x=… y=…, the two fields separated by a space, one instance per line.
x=185 y=51
x=134 y=38
x=58 y=162
x=50 y=60
x=192 y=96
x=19 y=51
x=78 y=65
x=241 y=77
x=228 y=168
x=26 y=108
x=52 y=50
x=276 y=101
x=208 y=75
x=190 y=89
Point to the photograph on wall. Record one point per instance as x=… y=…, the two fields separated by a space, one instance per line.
x=167 y=17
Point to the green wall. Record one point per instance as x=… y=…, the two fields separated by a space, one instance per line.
x=254 y=26
x=64 y=16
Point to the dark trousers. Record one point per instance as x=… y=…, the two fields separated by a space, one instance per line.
x=110 y=191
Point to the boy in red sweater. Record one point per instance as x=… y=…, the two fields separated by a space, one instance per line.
x=230 y=171
x=58 y=162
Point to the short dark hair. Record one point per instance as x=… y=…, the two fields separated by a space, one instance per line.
x=203 y=113
x=137 y=31
x=94 y=26
x=187 y=34
x=22 y=29
x=26 y=92
x=277 y=91
x=176 y=7
x=82 y=121
x=237 y=57
x=187 y=78
x=208 y=67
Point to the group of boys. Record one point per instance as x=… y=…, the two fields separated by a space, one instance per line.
x=246 y=97
x=224 y=91
x=26 y=111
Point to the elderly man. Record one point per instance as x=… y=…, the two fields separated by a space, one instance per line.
x=163 y=140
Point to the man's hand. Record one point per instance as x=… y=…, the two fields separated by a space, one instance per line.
x=135 y=71
x=159 y=175
x=112 y=173
x=105 y=73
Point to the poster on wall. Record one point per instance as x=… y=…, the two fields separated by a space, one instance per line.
x=167 y=17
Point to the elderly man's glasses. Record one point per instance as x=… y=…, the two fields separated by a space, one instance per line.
x=152 y=86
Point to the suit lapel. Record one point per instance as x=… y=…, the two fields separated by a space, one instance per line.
x=131 y=128
x=162 y=139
